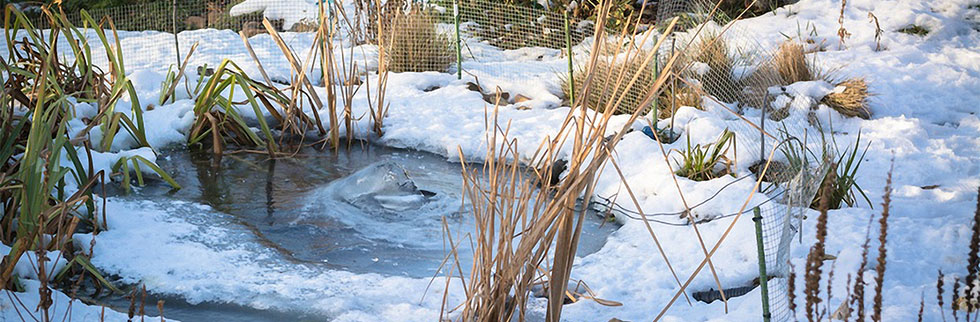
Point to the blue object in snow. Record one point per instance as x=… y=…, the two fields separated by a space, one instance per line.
x=649 y=132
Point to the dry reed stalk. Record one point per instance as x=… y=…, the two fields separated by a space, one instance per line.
x=857 y=295
x=255 y=58
x=347 y=71
x=882 y=250
x=878 y=32
x=922 y=306
x=791 y=289
x=142 y=312
x=160 y=309
x=326 y=33
x=302 y=81
x=955 y=298
x=180 y=73
x=507 y=203
x=830 y=283
x=379 y=109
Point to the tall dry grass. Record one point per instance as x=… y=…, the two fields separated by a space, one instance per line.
x=526 y=236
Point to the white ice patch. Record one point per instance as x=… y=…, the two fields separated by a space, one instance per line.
x=192 y=251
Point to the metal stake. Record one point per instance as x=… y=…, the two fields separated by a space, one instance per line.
x=571 y=65
x=763 y=277
x=459 y=42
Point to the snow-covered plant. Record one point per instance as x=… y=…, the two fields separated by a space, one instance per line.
x=850 y=97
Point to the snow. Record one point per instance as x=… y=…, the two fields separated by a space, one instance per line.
x=925 y=117
x=191 y=250
x=23 y=307
x=291 y=12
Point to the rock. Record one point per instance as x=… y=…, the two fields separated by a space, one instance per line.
x=201 y=70
x=253 y=28
x=520 y=99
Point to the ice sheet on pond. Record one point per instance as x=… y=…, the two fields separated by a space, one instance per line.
x=384 y=203
x=383 y=187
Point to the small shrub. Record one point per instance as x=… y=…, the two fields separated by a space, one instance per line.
x=914 y=30
x=413 y=44
x=852 y=100
x=701 y=163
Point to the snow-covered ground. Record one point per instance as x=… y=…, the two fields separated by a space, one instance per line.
x=926 y=104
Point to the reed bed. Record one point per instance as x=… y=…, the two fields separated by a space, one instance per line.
x=527 y=227
x=41 y=195
x=39 y=88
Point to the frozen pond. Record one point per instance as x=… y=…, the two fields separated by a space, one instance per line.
x=370 y=209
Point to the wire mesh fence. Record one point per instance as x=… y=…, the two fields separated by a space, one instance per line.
x=719 y=68
x=730 y=69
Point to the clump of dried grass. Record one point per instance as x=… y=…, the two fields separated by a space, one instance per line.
x=790 y=62
x=792 y=66
x=413 y=44
x=718 y=80
x=610 y=68
x=852 y=100
x=673 y=95
x=676 y=96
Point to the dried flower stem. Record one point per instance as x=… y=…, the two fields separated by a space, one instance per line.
x=882 y=251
